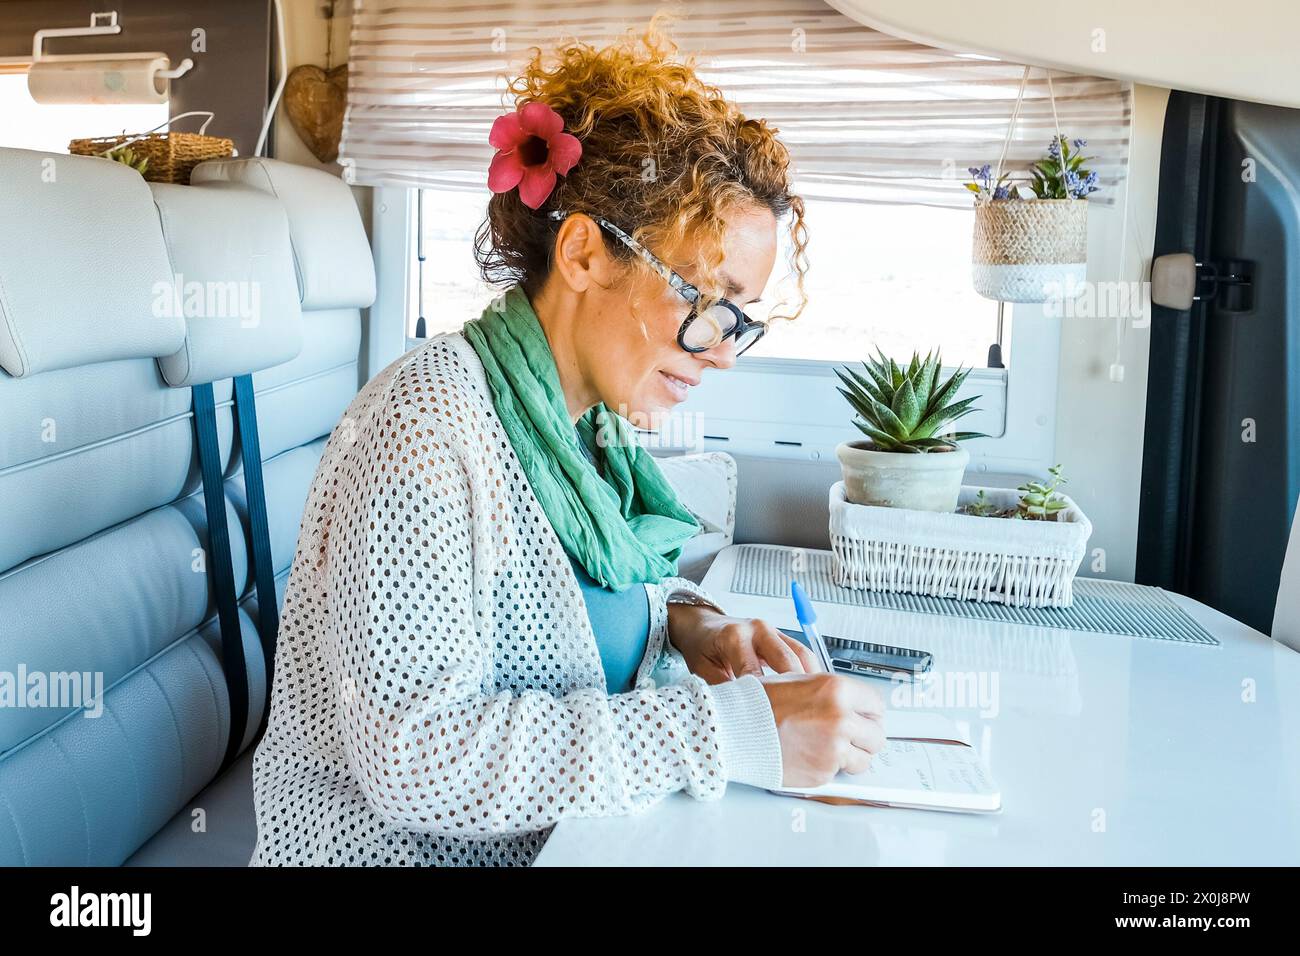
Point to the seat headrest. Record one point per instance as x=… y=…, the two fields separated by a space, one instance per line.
x=81 y=264
x=233 y=281
x=335 y=267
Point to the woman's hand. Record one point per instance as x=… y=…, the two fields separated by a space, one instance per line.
x=720 y=648
x=827 y=723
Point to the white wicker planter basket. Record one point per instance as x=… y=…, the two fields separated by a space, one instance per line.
x=950 y=555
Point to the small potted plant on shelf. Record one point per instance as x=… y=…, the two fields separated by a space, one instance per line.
x=911 y=457
x=1039 y=501
x=1030 y=248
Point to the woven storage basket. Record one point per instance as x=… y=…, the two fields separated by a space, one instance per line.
x=1030 y=250
x=950 y=555
x=171 y=155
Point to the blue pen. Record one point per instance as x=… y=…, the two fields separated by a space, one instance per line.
x=803 y=610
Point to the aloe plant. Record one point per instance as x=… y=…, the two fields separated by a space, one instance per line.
x=1039 y=499
x=907 y=409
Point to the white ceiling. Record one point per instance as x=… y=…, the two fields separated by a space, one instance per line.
x=1242 y=49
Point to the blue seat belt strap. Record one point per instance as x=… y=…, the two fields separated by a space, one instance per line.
x=268 y=609
x=220 y=569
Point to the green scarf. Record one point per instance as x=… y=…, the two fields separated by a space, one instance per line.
x=624 y=527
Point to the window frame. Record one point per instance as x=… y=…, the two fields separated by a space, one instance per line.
x=384 y=335
x=1018 y=406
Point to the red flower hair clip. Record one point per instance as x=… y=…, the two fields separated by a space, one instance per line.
x=532 y=148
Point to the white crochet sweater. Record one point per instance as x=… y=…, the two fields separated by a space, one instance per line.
x=438 y=695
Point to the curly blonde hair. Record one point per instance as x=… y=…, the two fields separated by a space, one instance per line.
x=664 y=156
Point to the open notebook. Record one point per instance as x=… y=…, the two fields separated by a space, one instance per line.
x=927 y=764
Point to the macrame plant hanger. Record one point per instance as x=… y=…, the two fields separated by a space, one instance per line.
x=995 y=350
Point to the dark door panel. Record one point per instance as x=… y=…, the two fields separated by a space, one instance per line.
x=1221 y=469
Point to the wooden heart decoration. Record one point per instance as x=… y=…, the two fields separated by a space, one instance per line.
x=315 y=100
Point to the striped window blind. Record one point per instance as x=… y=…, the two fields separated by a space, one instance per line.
x=868 y=117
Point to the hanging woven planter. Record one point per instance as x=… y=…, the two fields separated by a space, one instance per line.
x=1030 y=250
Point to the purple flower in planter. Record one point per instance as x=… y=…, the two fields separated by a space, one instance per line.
x=982 y=177
x=1079 y=187
x=1002 y=192
x=1060 y=173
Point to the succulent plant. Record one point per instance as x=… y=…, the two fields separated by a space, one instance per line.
x=907 y=410
x=1039 y=500
x=127 y=157
x=981 y=507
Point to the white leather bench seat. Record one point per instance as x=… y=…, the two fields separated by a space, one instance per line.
x=216 y=828
x=102 y=555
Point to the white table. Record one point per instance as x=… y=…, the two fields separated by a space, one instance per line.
x=1108 y=750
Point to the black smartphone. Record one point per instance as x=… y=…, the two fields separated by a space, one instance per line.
x=873 y=660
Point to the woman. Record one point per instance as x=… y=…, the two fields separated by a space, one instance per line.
x=485 y=576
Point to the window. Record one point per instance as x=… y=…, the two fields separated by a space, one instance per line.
x=447 y=292
x=784 y=404
x=895 y=277
x=31 y=125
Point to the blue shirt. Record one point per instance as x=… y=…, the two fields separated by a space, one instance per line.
x=621 y=622
x=619 y=619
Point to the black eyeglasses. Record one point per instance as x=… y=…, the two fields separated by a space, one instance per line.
x=702 y=330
